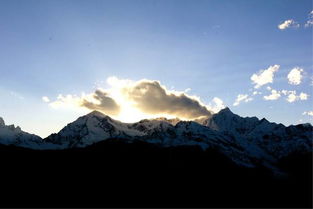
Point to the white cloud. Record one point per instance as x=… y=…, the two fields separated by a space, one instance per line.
x=295 y=76
x=309 y=22
x=218 y=104
x=273 y=96
x=264 y=76
x=292 y=97
x=187 y=90
x=242 y=98
x=303 y=96
x=68 y=101
x=256 y=92
x=45 y=99
x=288 y=24
x=309 y=113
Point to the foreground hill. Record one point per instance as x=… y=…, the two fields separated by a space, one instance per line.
x=113 y=173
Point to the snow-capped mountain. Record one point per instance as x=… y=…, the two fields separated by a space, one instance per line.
x=11 y=135
x=247 y=141
x=275 y=139
x=91 y=128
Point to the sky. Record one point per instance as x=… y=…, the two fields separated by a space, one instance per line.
x=133 y=59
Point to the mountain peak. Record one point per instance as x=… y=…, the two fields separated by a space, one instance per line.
x=263 y=120
x=96 y=113
x=225 y=110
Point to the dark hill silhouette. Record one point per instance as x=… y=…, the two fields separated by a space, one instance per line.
x=113 y=173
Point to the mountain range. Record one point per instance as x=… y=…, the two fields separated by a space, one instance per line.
x=246 y=141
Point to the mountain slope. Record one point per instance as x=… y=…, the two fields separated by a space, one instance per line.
x=249 y=142
x=11 y=135
x=275 y=139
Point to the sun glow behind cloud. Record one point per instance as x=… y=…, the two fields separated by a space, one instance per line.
x=131 y=101
x=128 y=112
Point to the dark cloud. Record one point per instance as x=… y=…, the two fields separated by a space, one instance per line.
x=104 y=103
x=150 y=97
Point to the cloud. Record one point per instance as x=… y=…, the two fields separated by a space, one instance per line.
x=68 y=101
x=288 y=24
x=264 y=76
x=256 y=92
x=131 y=101
x=187 y=90
x=99 y=100
x=242 y=98
x=217 y=105
x=309 y=113
x=102 y=102
x=295 y=76
x=152 y=98
x=45 y=99
x=303 y=96
x=285 y=92
x=273 y=96
x=309 y=22
x=292 y=96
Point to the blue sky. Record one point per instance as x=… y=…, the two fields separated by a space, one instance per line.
x=211 y=46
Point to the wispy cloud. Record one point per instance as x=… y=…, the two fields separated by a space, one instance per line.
x=295 y=76
x=242 y=98
x=309 y=22
x=288 y=24
x=264 y=76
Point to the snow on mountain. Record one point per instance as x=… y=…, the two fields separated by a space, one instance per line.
x=246 y=141
x=90 y=129
x=226 y=121
x=11 y=135
x=275 y=139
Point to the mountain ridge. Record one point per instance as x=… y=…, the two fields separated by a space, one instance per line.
x=246 y=141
